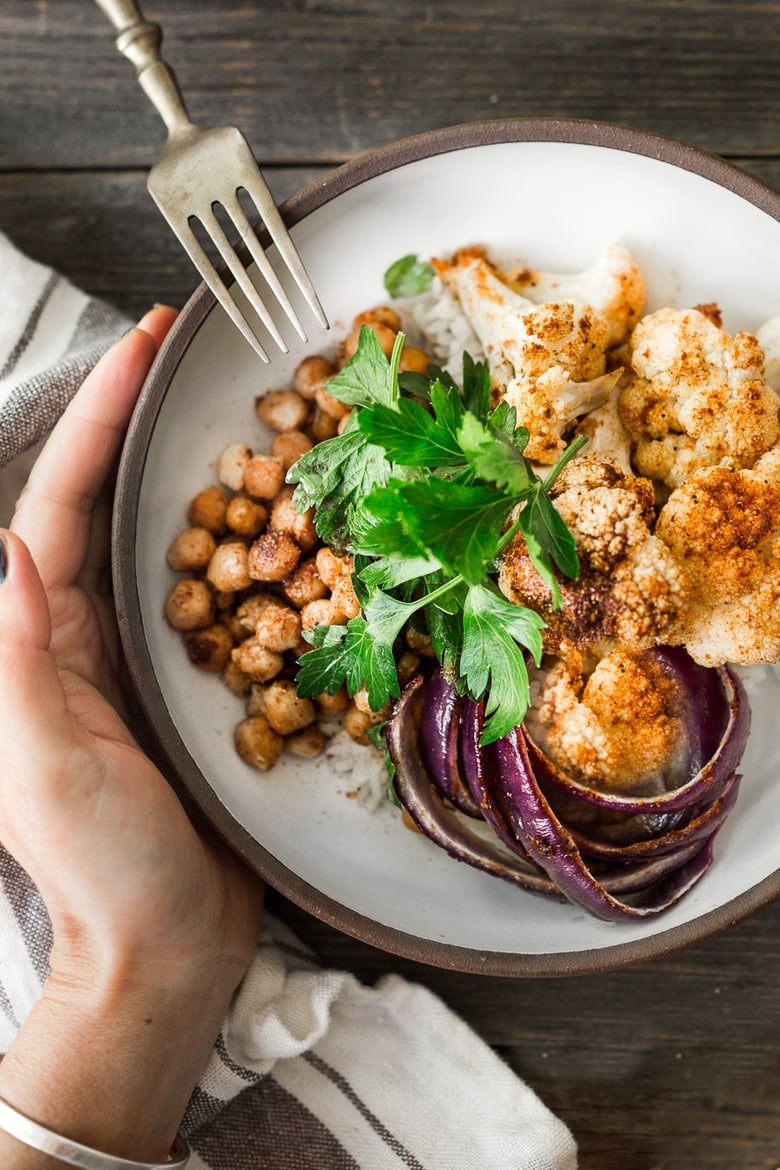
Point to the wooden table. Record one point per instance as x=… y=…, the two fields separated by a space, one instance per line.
x=672 y=1064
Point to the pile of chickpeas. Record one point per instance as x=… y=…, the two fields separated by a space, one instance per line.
x=255 y=575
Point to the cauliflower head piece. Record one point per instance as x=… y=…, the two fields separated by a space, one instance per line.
x=547 y=360
x=613 y=285
x=630 y=586
x=697 y=397
x=723 y=527
x=617 y=723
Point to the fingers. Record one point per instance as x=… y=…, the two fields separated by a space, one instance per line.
x=54 y=513
x=157 y=322
x=32 y=702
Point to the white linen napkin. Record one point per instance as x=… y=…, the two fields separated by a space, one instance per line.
x=312 y=1069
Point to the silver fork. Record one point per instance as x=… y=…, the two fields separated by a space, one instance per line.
x=202 y=168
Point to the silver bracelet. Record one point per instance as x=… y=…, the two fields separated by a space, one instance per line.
x=30 y=1133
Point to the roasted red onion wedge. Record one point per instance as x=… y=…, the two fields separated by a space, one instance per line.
x=438 y=821
x=433 y=738
x=438 y=741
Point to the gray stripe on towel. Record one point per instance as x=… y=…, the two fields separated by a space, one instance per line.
x=30 y=326
x=379 y=1128
x=267 y=1126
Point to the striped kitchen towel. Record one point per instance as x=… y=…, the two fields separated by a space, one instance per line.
x=312 y=1069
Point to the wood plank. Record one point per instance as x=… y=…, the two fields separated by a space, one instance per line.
x=321 y=82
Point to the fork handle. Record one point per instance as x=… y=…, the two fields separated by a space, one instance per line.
x=139 y=40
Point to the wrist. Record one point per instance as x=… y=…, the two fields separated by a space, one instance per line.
x=111 y=1064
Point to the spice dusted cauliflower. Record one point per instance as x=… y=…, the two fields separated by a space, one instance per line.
x=618 y=724
x=697 y=397
x=548 y=360
x=723 y=527
x=608 y=439
x=630 y=587
x=612 y=284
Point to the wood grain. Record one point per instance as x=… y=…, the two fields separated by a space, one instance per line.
x=322 y=80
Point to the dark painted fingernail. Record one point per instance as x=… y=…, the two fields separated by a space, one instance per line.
x=3 y=560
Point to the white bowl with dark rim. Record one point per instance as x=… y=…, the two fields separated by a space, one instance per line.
x=551 y=193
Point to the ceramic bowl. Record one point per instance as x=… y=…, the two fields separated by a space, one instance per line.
x=552 y=193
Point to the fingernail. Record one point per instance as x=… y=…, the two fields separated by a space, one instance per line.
x=3 y=560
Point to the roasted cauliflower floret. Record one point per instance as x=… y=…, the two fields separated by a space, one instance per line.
x=608 y=439
x=612 y=284
x=697 y=398
x=547 y=360
x=629 y=587
x=618 y=726
x=723 y=527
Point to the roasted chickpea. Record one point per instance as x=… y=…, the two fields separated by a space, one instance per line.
x=246 y=517
x=209 y=649
x=322 y=613
x=236 y=679
x=282 y=410
x=224 y=598
x=344 y=598
x=278 y=627
x=288 y=446
x=356 y=723
x=273 y=556
x=323 y=426
x=191 y=550
x=284 y=710
x=310 y=373
x=330 y=405
x=332 y=704
x=264 y=476
x=385 y=335
x=190 y=605
x=250 y=609
x=228 y=567
x=257 y=661
x=231 y=464
x=229 y=618
x=360 y=700
x=285 y=517
x=255 y=704
x=380 y=315
x=208 y=509
x=331 y=567
x=414 y=359
x=257 y=743
x=307 y=743
x=304 y=584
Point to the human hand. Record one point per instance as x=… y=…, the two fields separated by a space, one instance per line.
x=150 y=919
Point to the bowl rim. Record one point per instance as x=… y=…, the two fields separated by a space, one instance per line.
x=162 y=739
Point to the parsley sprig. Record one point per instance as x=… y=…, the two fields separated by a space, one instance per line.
x=424 y=487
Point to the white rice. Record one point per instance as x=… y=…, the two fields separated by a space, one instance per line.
x=435 y=322
x=361 y=768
